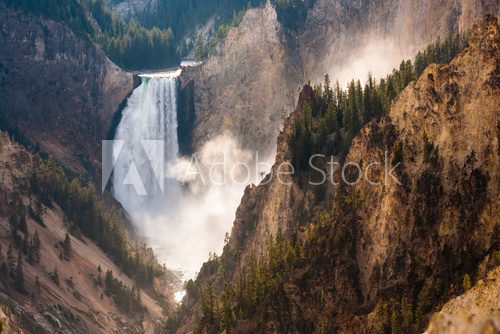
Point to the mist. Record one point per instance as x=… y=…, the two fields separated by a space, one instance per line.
x=191 y=221
x=378 y=55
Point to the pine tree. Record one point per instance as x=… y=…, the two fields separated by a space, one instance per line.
x=21 y=225
x=359 y=106
x=327 y=91
x=108 y=283
x=350 y=114
x=38 y=286
x=99 y=279
x=66 y=246
x=10 y=261
x=55 y=276
x=467 y=282
x=25 y=245
x=367 y=101
x=34 y=249
x=19 y=278
x=208 y=308
x=332 y=118
x=136 y=291
x=227 y=314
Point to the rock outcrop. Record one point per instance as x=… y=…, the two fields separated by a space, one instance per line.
x=59 y=90
x=245 y=84
x=476 y=311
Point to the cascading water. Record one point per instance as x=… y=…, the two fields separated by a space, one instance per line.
x=146 y=142
x=183 y=209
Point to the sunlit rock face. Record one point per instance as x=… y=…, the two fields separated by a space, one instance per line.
x=256 y=70
x=243 y=86
x=347 y=39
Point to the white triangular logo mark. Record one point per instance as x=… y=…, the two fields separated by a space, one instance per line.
x=133 y=178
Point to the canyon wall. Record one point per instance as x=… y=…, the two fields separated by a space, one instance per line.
x=250 y=81
x=57 y=89
x=362 y=36
x=367 y=250
x=243 y=86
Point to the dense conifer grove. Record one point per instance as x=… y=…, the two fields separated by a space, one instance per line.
x=128 y=44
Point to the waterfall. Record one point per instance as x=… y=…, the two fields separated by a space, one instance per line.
x=183 y=217
x=146 y=143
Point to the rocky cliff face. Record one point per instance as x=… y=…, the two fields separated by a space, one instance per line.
x=481 y=301
x=383 y=256
x=60 y=91
x=241 y=88
x=257 y=69
x=379 y=32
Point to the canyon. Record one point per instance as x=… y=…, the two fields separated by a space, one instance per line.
x=366 y=254
x=367 y=250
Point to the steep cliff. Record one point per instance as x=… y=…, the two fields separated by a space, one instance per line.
x=358 y=36
x=378 y=254
x=56 y=89
x=243 y=86
x=251 y=80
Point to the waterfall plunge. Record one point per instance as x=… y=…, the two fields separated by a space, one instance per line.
x=187 y=218
x=146 y=143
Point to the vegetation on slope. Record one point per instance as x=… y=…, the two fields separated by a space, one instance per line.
x=149 y=42
x=203 y=48
x=92 y=217
x=128 y=44
x=335 y=115
x=182 y=17
x=35 y=193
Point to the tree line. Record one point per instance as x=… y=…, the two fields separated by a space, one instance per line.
x=88 y=214
x=128 y=44
x=128 y=300
x=222 y=303
x=329 y=122
x=28 y=249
